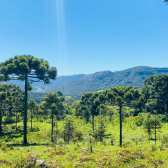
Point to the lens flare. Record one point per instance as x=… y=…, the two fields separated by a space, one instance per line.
x=61 y=33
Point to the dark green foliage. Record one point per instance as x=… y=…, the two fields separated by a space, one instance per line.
x=148 y=125
x=10 y=96
x=20 y=65
x=157 y=94
x=89 y=106
x=156 y=124
x=152 y=124
x=84 y=111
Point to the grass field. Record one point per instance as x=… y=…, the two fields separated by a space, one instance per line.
x=136 y=152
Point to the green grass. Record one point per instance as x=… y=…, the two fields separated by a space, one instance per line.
x=72 y=156
x=137 y=151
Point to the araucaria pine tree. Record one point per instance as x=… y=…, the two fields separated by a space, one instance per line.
x=29 y=69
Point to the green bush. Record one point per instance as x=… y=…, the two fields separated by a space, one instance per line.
x=60 y=141
x=4 y=147
x=78 y=134
x=165 y=137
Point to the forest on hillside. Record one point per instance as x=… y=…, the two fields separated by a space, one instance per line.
x=79 y=84
x=119 y=126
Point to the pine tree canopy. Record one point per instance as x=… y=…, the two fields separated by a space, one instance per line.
x=37 y=70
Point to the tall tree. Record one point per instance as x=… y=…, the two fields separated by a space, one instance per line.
x=2 y=99
x=29 y=69
x=121 y=95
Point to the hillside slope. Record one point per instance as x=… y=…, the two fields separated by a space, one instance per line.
x=107 y=79
x=41 y=87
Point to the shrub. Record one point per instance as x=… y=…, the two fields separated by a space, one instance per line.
x=127 y=142
x=112 y=138
x=60 y=141
x=165 y=137
x=78 y=134
x=137 y=139
x=4 y=147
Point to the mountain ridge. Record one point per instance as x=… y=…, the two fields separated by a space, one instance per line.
x=106 y=79
x=75 y=85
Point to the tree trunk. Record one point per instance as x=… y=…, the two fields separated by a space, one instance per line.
x=167 y=93
x=25 y=113
x=31 y=119
x=120 y=125
x=140 y=108
x=64 y=129
x=93 y=121
x=68 y=136
x=91 y=145
x=37 y=116
x=155 y=133
x=16 y=120
x=10 y=112
x=0 y=122
x=52 y=116
x=56 y=131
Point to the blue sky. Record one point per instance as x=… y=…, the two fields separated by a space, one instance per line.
x=86 y=36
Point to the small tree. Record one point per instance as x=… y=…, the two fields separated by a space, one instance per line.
x=68 y=129
x=148 y=125
x=156 y=124
x=101 y=129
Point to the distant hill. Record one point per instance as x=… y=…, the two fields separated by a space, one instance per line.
x=107 y=79
x=41 y=87
x=75 y=85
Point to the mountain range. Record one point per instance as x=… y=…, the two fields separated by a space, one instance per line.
x=75 y=85
x=107 y=79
